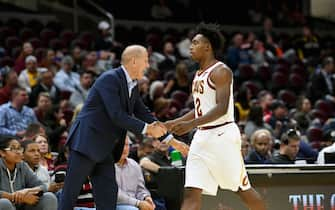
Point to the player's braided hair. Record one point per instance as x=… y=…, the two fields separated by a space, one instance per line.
x=212 y=32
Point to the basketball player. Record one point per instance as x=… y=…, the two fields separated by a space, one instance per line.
x=214 y=157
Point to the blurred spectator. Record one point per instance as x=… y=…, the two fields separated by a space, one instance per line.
x=236 y=54
x=46 y=160
x=156 y=90
x=180 y=81
x=15 y=116
x=29 y=77
x=10 y=82
x=289 y=148
x=20 y=62
x=85 y=198
x=129 y=177
x=32 y=130
x=255 y=121
x=28 y=192
x=49 y=61
x=143 y=86
x=242 y=104
x=170 y=59
x=104 y=39
x=302 y=114
x=45 y=85
x=329 y=149
x=261 y=141
x=308 y=45
x=163 y=109
x=56 y=126
x=32 y=155
x=141 y=150
x=267 y=30
x=151 y=165
x=160 y=10
x=279 y=118
x=65 y=79
x=80 y=93
x=76 y=53
x=322 y=84
x=245 y=146
x=184 y=44
x=44 y=106
x=265 y=98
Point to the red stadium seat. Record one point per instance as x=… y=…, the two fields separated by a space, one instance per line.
x=288 y=96
x=325 y=107
x=297 y=82
x=254 y=87
x=278 y=81
x=26 y=34
x=56 y=44
x=46 y=35
x=180 y=96
x=67 y=36
x=35 y=42
x=314 y=134
x=6 y=61
x=12 y=42
x=318 y=114
x=247 y=72
x=264 y=73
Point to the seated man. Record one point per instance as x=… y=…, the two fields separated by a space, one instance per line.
x=260 y=153
x=289 y=148
x=132 y=193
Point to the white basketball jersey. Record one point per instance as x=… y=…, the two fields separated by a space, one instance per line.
x=204 y=96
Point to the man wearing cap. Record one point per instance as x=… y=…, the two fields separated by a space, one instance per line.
x=329 y=135
x=28 y=78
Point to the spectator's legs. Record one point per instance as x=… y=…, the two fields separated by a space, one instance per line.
x=79 y=168
x=104 y=185
x=5 y=204
x=47 y=202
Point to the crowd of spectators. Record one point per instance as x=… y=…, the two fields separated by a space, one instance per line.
x=283 y=88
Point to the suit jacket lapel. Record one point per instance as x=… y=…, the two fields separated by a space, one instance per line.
x=124 y=87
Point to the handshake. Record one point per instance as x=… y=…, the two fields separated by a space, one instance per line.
x=156 y=129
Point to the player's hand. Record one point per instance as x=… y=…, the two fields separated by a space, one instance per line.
x=182 y=128
x=170 y=124
x=156 y=129
x=180 y=146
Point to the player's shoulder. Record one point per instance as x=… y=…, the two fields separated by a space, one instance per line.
x=222 y=68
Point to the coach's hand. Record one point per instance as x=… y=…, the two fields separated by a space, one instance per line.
x=182 y=128
x=156 y=129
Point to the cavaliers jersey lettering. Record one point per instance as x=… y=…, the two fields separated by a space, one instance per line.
x=204 y=96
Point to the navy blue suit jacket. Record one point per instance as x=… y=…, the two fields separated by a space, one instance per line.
x=100 y=128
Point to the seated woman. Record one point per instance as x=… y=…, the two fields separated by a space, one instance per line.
x=19 y=186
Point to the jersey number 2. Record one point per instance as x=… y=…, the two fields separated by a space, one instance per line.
x=197 y=107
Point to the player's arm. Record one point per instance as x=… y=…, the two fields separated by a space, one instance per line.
x=222 y=78
x=186 y=117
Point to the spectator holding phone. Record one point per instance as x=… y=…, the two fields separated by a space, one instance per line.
x=32 y=156
x=20 y=188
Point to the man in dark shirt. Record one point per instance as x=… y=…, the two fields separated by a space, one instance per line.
x=289 y=148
